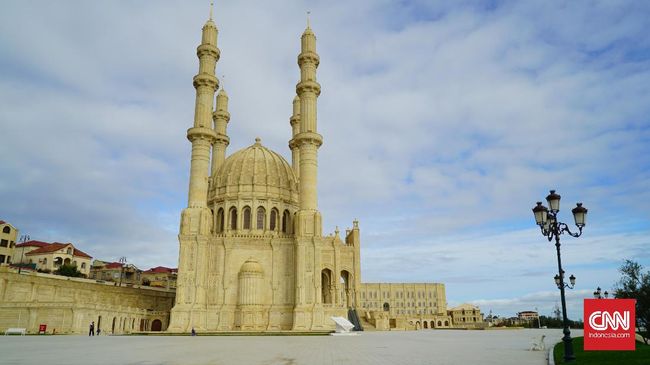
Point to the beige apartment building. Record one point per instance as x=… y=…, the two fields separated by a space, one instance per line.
x=8 y=236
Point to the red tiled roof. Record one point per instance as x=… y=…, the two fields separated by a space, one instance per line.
x=80 y=253
x=2 y=222
x=161 y=269
x=32 y=243
x=51 y=247
x=113 y=265
x=47 y=248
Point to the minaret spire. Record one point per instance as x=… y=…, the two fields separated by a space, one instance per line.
x=308 y=138
x=211 y=6
x=221 y=117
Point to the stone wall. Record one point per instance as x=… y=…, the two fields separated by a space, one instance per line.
x=68 y=305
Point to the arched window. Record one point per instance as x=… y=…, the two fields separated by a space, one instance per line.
x=44 y=261
x=68 y=251
x=326 y=286
x=233 y=218
x=286 y=221
x=220 y=220
x=6 y=229
x=274 y=219
x=247 y=217
x=83 y=265
x=261 y=218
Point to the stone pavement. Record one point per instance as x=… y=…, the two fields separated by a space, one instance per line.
x=369 y=348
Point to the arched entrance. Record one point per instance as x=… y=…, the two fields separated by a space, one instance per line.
x=386 y=307
x=431 y=324
x=156 y=325
x=417 y=325
x=446 y=323
x=426 y=325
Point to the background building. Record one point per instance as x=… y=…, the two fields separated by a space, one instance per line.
x=50 y=256
x=160 y=276
x=467 y=316
x=8 y=234
x=117 y=272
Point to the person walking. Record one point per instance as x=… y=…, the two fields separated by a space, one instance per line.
x=91 y=332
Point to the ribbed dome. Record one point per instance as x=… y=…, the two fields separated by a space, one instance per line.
x=256 y=171
x=251 y=266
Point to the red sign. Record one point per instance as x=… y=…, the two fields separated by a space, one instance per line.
x=42 y=328
x=609 y=324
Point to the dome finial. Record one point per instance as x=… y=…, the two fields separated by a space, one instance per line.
x=258 y=140
x=308 y=12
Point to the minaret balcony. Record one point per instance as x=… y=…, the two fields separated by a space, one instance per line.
x=308 y=86
x=204 y=79
x=308 y=137
x=200 y=133
x=208 y=49
x=308 y=57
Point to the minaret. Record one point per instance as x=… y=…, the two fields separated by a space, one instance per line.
x=295 y=129
x=308 y=138
x=221 y=118
x=196 y=220
x=202 y=135
x=308 y=219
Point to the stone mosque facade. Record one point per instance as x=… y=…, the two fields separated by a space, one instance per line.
x=252 y=254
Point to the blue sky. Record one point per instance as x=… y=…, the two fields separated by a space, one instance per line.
x=443 y=124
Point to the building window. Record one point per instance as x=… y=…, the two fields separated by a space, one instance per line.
x=220 y=220
x=274 y=218
x=6 y=229
x=4 y=243
x=69 y=251
x=247 y=217
x=286 y=220
x=233 y=218
x=261 y=218
x=2 y=259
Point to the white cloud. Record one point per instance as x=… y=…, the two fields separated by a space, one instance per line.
x=437 y=119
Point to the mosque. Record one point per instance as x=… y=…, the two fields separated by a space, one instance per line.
x=252 y=254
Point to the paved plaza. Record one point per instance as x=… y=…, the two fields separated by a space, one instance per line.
x=371 y=348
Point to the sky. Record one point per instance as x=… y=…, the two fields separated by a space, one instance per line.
x=443 y=124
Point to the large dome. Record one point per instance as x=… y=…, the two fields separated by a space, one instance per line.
x=255 y=172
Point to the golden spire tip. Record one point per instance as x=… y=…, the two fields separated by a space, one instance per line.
x=308 y=12
x=211 y=6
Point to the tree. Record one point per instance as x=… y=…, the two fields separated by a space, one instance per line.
x=557 y=312
x=69 y=270
x=634 y=284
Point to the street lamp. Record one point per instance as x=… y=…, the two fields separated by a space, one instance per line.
x=546 y=219
x=599 y=295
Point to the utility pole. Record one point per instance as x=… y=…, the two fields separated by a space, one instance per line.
x=123 y=262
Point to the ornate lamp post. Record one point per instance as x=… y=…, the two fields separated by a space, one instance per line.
x=599 y=295
x=546 y=219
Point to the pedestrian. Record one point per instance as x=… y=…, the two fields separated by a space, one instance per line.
x=99 y=330
x=193 y=332
x=91 y=332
